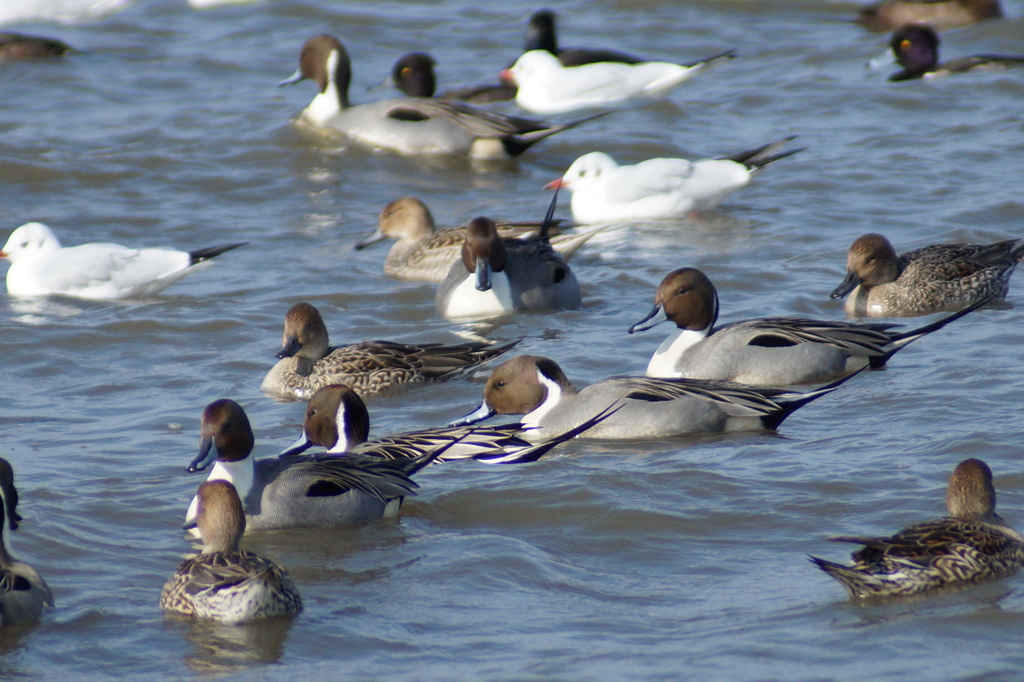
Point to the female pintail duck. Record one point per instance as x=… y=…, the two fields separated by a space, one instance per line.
x=973 y=543
x=226 y=583
x=298 y=492
x=542 y=35
x=773 y=351
x=17 y=46
x=650 y=408
x=545 y=86
x=411 y=125
x=23 y=593
x=40 y=266
x=309 y=362
x=603 y=191
x=916 y=48
x=941 y=14
x=425 y=254
x=337 y=419
x=927 y=280
x=413 y=74
x=497 y=277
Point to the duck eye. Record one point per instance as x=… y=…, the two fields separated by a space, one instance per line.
x=501 y=384
x=905 y=44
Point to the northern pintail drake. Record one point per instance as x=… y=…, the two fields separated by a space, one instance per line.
x=603 y=191
x=17 y=46
x=542 y=35
x=941 y=14
x=972 y=544
x=537 y=387
x=23 y=593
x=410 y=125
x=547 y=87
x=931 y=279
x=425 y=254
x=40 y=266
x=413 y=74
x=308 y=361
x=297 y=492
x=772 y=351
x=226 y=583
x=337 y=419
x=496 y=277
x=916 y=48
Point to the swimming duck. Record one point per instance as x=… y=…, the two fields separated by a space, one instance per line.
x=40 y=266
x=771 y=351
x=227 y=583
x=298 y=492
x=496 y=277
x=337 y=419
x=536 y=387
x=940 y=14
x=424 y=253
x=309 y=362
x=546 y=86
x=17 y=46
x=23 y=593
x=973 y=543
x=603 y=191
x=413 y=74
x=927 y=280
x=411 y=125
x=541 y=35
x=916 y=48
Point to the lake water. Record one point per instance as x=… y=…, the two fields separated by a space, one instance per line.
x=657 y=560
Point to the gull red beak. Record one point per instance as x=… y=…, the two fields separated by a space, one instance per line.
x=555 y=184
x=506 y=77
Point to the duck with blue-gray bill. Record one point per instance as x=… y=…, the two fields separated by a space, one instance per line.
x=972 y=544
x=409 y=125
x=226 y=583
x=23 y=592
x=536 y=387
x=298 y=491
x=336 y=418
x=916 y=49
x=934 y=278
x=772 y=351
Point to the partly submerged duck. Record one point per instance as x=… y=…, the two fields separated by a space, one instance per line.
x=537 y=387
x=770 y=351
x=931 y=279
x=603 y=191
x=309 y=362
x=916 y=48
x=413 y=74
x=410 y=125
x=40 y=266
x=336 y=418
x=227 y=583
x=299 y=491
x=973 y=543
x=496 y=277
x=23 y=593
x=941 y=14
x=424 y=253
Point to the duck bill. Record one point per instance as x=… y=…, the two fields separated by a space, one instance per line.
x=887 y=58
x=848 y=284
x=655 y=317
x=555 y=184
x=483 y=274
x=301 y=445
x=377 y=236
x=292 y=79
x=207 y=455
x=483 y=412
x=290 y=348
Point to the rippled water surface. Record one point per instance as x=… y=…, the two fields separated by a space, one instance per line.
x=626 y=560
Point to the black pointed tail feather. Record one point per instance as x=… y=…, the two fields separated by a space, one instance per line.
x=200 y=255
x=517 y=144
x=905 y=338
x=791 y=405
x=532 y=454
